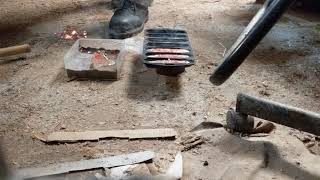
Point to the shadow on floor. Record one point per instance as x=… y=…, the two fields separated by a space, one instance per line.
x=272 y=159
x=146 y=85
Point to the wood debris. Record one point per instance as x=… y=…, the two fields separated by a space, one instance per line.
x=96 y=135
x=264 y=127
x=311 y=142
x=67 y=167
x=191 y=141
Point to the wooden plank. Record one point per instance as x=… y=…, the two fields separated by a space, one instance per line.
x=107 y=162
x=96 y=135
x=14 y=50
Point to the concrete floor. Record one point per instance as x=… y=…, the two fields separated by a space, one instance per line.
x=37 y=97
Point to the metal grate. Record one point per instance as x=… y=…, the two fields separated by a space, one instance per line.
x=168 y=50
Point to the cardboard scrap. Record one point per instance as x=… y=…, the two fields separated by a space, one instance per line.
x=107 y=162
x=96 y=135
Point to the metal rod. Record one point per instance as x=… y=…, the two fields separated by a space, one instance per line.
x=279 y=113
x=258 y=28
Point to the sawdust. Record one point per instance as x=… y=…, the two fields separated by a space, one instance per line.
x=35 y=95
x=311 y=142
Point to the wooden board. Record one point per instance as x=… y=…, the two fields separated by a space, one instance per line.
x=107 y=162
x=96 y=135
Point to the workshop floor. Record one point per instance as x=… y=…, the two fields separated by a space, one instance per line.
x=36 y=97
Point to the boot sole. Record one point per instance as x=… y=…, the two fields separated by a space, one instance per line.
x=129 y=34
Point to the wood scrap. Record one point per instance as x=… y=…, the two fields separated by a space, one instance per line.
x=96 y=135
x=264 y=127
x=67 y=167
x=310 y=141
x=14 y=50
x=40 y=136
x=193 y=145
x=191 y=141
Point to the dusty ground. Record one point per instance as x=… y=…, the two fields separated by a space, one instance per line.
x=36 y=96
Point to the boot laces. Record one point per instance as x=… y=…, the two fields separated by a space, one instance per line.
x=129 y=4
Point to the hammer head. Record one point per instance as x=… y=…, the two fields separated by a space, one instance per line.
x=238 y=122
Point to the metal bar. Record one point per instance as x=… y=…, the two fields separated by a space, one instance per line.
x=279 y=113
x=258 y=28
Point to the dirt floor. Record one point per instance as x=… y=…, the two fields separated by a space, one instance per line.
x=37 y=97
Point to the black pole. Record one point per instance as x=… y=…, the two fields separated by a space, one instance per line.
x=279 y=113
x=258 y=28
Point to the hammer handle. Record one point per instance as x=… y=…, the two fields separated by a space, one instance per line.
x=279 y=113
x=9 y=51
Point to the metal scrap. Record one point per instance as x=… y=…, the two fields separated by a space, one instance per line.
x=67 y=167
x=70 y=33
x=103 y=57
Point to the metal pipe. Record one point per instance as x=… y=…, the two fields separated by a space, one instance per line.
x=279 y=113
x=258 y=28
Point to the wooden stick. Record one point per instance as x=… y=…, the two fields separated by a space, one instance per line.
x=14 y=50
x=96 y=135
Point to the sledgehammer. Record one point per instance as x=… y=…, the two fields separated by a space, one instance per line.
x=247 y=107
x=14 y=50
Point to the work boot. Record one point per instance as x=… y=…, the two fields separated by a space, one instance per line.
x=129 y=19
x=116 y=4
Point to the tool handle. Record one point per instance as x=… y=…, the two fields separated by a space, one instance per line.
x=279 y=113
x=14 y=50
x=257 y=29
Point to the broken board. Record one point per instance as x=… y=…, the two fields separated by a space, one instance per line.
x=107 y=162
x=96 y=135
